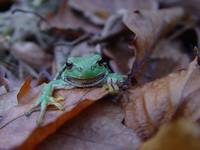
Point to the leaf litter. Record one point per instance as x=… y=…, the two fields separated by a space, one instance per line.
x=145 y=40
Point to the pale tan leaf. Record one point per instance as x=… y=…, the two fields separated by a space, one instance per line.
x=181 y=135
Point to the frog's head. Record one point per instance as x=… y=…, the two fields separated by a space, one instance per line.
x=85 y=71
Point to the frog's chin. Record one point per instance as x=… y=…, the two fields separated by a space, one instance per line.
x=89 y=82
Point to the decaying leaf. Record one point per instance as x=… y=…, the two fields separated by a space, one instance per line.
x=32 y=54
x=168 y=54
x=191 y=7
x=181 y=134
x=98 y=11
x=115 y=35
x=98 y=127
x=172 y=50
x=125 y=33
x=164 y=99
x=26 y=86
x=15 y=124
x=149 y=27
x=66 y=19
x=122 y=57
x=7 y=101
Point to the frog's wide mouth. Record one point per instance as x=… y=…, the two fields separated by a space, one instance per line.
x=89 y=82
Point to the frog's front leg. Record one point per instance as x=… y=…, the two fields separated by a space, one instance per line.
x=46 y=98
x=113 y=81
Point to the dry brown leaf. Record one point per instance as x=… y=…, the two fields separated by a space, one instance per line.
x=98 y=11
x=116 y=36
x=164 y=99
x=15 y=124
x=149 y=27
x=66 y=19
x=168 y=54
x=191 y=7
x=122 y=56
x=7 y=101
x=172 y=50
x=154 y=69
x=180 y=135
x=98 y=127
x=26 y=86
x=32 y=54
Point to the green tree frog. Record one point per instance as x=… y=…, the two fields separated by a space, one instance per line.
x=78 y=72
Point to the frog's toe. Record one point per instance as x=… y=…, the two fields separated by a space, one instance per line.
x=43 y=107
x=39 y=122
x=42 y=103
x=29 y=112
x=56 y=103
x=105 y=87
x=115 y=87
x=40 y=119
x=111 y=86
x=33 y=107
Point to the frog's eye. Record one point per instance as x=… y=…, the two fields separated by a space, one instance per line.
x=101 y=62
x=69 y=65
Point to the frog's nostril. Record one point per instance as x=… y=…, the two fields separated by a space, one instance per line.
x=92 y=67
x=80 y=69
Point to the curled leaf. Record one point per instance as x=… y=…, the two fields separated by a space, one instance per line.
x=164 y=99
x=149 y=26
x=15 y=124
x=24 y=90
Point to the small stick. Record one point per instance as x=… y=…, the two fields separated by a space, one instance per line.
x=31 y=12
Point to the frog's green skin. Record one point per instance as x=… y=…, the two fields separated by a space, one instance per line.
x=86 y=71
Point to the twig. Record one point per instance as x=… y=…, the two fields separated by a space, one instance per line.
x=31 y=12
